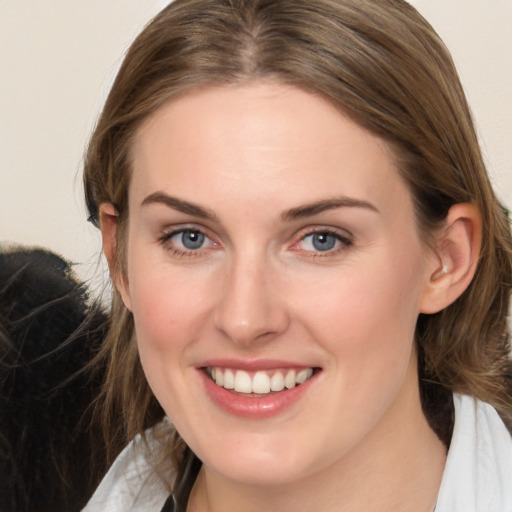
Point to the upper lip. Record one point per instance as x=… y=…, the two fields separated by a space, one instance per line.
x=253 y=365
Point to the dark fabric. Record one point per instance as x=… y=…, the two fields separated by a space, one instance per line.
x=169 y=505
x=185 y=480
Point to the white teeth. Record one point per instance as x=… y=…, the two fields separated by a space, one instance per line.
x=229 y=379
x=289 y=380
x=261 y=382
x=243 y=382
x=304 y=375
x=218 y=376
x=277 y=382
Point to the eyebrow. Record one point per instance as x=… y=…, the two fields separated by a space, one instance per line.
x=179 y=205
x=308 y=210
x=299 y=212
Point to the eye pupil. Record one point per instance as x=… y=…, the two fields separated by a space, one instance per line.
x=323 y=241
x=192 y=239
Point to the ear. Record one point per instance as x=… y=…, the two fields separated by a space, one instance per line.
x=108 y=224
x=453 y=264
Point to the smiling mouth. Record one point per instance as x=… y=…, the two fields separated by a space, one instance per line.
x=260 y=382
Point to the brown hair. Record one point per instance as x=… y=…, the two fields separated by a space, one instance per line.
x=382 y=64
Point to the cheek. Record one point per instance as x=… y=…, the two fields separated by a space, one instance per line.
x=354 y=305
x=169 y=316
x=168 y=310
x=161 y=315
x=366 y=314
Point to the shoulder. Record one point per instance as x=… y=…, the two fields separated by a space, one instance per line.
x=132 y=483
x=478 y=472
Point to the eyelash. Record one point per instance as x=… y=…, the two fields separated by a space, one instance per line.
x=166 y=237
x=343 y=242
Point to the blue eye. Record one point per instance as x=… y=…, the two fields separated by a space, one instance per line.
x=192 y=239
x=187 y=242
x=188 y=239
x=324 y=242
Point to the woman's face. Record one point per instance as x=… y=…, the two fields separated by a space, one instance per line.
x=271 y=241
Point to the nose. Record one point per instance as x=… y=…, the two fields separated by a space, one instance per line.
x=250 y=308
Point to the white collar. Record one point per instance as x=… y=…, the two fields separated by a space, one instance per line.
x=478 y=471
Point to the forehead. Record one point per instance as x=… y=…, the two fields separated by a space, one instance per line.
x=256 y=140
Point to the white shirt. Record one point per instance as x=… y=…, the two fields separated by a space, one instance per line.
x=477 y=475
x=478 y=472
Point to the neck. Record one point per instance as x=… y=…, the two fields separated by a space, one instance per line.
x=398 y=468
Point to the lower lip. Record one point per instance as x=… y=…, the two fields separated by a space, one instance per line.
x=256 y=407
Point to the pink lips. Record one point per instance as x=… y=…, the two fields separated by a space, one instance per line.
x=253 y=406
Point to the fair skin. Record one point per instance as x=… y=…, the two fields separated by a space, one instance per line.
x=269 y=233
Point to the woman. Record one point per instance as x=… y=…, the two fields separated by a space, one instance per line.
x=312 y=271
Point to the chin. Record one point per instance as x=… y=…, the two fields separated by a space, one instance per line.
x=255 y=473
x=262 y=461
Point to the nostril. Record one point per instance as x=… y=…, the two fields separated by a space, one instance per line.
x=249 y=308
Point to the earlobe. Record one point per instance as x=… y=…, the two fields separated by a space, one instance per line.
x=454 y=262
x=109 y=224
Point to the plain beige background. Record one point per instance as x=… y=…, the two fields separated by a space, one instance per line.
x=58 y=58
